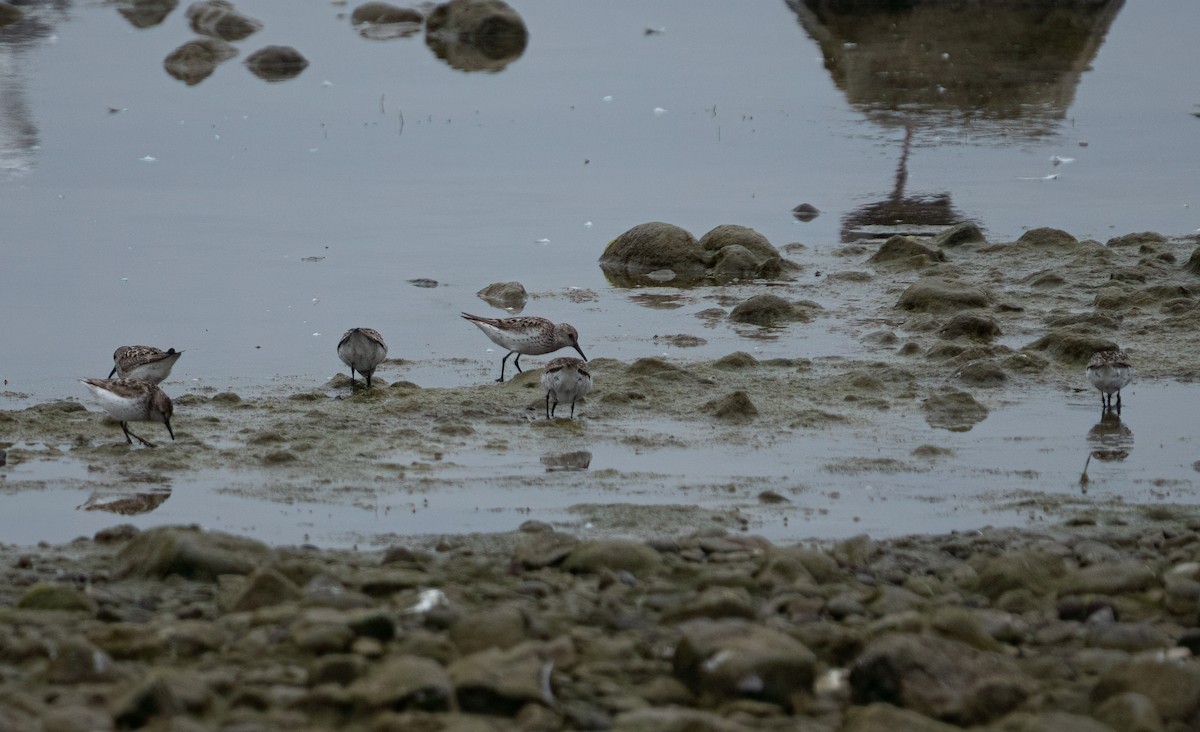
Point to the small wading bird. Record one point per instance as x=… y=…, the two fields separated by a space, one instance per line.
x=1110 y=371
x=131 y=400
x=565 y=379
x=145 y=363
x=526 y=336
x=362 y=349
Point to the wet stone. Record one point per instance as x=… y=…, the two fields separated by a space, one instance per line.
x=196 y=60
x=498 y=681
x=219 y=19
x=505 y=295
x=983 y=374
x=768 y=310
x=906 y=251
x=1072 y=345
x=56 y=597
x=653 y=246
x=406 y=682
x=735 y=407
x=965 y=233
x=939 y=294
x=729 y=659
x=614 y=555
x=1048 y=237
x=971 y=325
x=191 y=553
x=383 y=21
x=956 y=411
x=276 y=63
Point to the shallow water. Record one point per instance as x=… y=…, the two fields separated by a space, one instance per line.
x=250 y=223
x=1020 y=466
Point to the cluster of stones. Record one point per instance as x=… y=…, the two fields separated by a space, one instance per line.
x=471 y=35
x=660 y=253
x=1081 y=629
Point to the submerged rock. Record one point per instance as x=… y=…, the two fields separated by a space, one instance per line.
x=971 y=325
x=768 y=310
x=276 y=63
x=194 y=61
x=956 y=411
x=383 y=21
x=219 y=19
x=735 y=407
x=476 y=35
x=507 y=295
x=145 y=13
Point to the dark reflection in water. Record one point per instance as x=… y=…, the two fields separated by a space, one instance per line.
x=18 y=133
x=476 y=36
x=913 y=213
x=126 y=504
x=996 y=72
x=578 y=460
x=194 y=61
x=145 y=13
x=1110 y=439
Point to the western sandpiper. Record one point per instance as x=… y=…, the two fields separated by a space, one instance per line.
x=146 y=363
x=362 y=349
x=526 y=336
x=1109 y=371
x=565 y=378
x=132 y=400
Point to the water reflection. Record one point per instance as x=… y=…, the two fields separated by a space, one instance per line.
x=194 y=61
x=18 y=133
x=125 y=504
x=145 y=13
x=471 y=36
x=999 y=72
x=913 y=213
x=578 y=460
x=1110 y=439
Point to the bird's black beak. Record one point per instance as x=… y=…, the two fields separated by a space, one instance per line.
x=110 y=373
x=577 y=348
x=167 y=422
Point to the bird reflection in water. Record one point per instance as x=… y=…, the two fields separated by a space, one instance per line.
x=126 y=504
x=1110 y=440
x=578 y=460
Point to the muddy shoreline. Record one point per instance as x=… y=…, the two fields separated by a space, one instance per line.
x=672 y=615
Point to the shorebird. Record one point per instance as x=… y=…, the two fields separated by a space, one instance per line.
x=526 y=335
x=132 y=400
x=145 y=363
x=1109 y=371
x=565 y=378
x=362 y=349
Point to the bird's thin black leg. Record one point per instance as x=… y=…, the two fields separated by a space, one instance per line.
x=572 y=409
x=547 y=405
x=517 y=362
x=142 y=440
x=503 y=362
